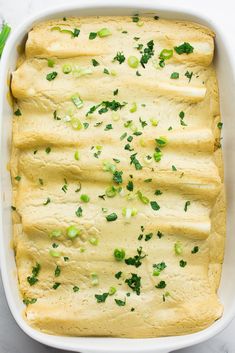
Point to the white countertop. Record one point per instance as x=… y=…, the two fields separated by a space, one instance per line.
x=12 y=339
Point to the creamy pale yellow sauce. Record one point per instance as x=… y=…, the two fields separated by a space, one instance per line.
x=113 y=162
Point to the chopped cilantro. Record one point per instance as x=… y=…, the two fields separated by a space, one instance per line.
x=118 y=275
x=136 y=260
x=161 y=285
x=195 y=250
x=120 y=302
x=130 y=185
x=220 y=125
x=75 y=289
x=154 y=205
x=18 y=112
x=135 y=161
x=115 y=92
x=111 y=217
x=95 y=62
x=187 y=203
x=160 y=234
x=92 y=35
x=188 y=75
x=134 y=282
x=48 y=200
x=56 y=285
x=28 y=301
x=106 y=106
x=117 y=177
x=158 y=268
x=173 y=168
x=108 y=127
x=57 y=271
x=184 y=48
x=101 y=297
x=148 y=236
x=35 y=271
x=51 y=76
x=119 y=57
x=158 y=192
x=182 y=263
x=175 y=75
x=106 y=71
x=79 y=212
x=148 y=53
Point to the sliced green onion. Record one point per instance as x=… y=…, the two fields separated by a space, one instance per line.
x=140 y=23
x=3 y=36
x=129 y=212
x=154 y=122
x=133 y=108
x=94 y=241
x=142 y=198
x=54 y=253
x=84 y=198
x=72 y=232
x=166 y=54
x=50 y=62
x=178 y=248
x=133 y=62
x=76 y=156
x=76 y=124
x=94 y=279
x=161 y=141
x=157 y=156
x=55 y=233
x=67 y=68
x=115 y=116
x=104 y=32
x=77 y=101
x=112 y=290
x=79 y=72
x=111 y=191
x=109 y=167
x=119 y=254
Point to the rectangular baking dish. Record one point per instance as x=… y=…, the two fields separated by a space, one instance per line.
x=225 y=72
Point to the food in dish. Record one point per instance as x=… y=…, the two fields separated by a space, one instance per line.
x=118 y=197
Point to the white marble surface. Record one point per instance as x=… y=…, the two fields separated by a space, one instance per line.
x=12 y=339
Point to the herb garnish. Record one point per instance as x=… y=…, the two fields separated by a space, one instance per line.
x=175 y=75
x=161 y=284
x=187 y=203
x=182 y=263
x=75 y=289
x=120 y=302
x=135 y=161
x=48 y=200
x=18 y=112
x=101 y=297
x=134 y=282
x=136 y=260
x=155 y=206
x=195 y=250
x=148 y=53
x=106 y=106
x=28 y=301
x=57 y=271
x=111 y=217
x=184 y=48
x=79 y=212
x=158 y=268
x=56 y=285
x=119 y=57
x=188 y=75
x=95 y=62
x=35 y=271
x=118 y=274
x=51 y=76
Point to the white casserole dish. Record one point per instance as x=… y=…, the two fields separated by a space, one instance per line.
x=225 y=72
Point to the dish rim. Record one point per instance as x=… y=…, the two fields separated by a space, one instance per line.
x=85 y=344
